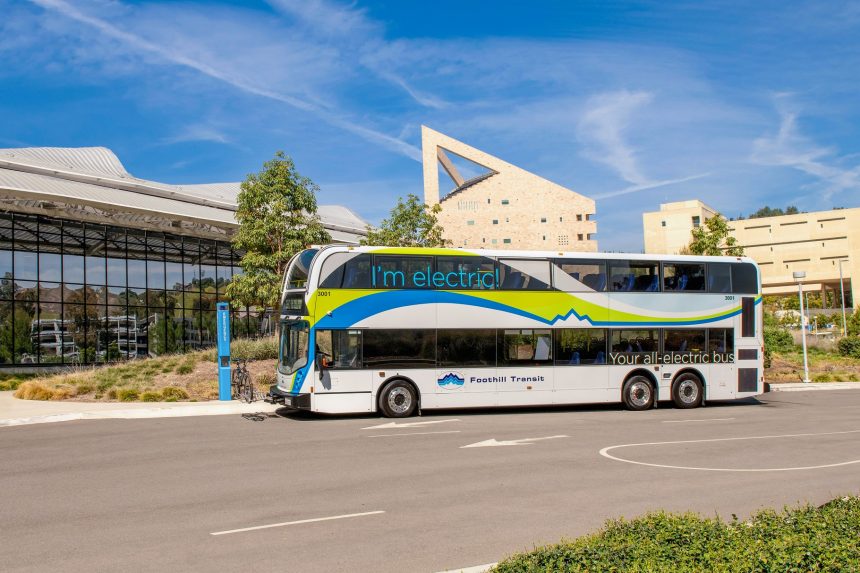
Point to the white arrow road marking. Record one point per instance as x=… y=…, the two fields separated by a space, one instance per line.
x=522 y=442
x=702 y=420
x=391 y=425
x=301 y=521
x=413 y=434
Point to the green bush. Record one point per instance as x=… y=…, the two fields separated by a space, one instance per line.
x=822 y=378
x=822 y=539
x=172 y=394
x=187 y=367
x=127 y=395
x=850 y=346
x=778 y=340
x=150 y=397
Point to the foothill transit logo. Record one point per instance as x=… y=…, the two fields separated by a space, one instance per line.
x=451 y=381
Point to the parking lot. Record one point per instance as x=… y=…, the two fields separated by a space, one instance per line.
x=454 y=489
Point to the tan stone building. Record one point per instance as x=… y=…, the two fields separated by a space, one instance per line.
x=505 y=207
x=810 y=242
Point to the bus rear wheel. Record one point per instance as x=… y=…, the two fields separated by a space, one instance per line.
x=687 y=391
x=638 y=393
x=398 y=399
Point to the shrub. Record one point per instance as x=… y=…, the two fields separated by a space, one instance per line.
x=822 y=378
x=83 y=389
x=850 y=346
x=150 y=397
x=127 y=395
x=255 y=349
x=33 y=390
x=111 y=394
x=800 y=539
x=266 y=379
x=778 y=340
x=186 y=367
x=172 y=394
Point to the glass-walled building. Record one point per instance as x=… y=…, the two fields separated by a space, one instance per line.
x=82 y=289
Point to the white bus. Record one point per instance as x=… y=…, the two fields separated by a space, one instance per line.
x=398 y=330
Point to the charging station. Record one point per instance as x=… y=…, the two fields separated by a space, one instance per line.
x=223 y=332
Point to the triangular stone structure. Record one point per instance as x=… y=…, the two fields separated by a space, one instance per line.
x=505 y=207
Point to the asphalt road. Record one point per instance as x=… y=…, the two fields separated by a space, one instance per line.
x=147 y=495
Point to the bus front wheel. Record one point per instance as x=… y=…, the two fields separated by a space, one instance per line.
x=398 y=399
x=687 y=391
x=638 y=393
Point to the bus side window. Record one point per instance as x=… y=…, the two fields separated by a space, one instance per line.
x=744 y=278
x=356 y=272
x=719 y=277
x=520 y=274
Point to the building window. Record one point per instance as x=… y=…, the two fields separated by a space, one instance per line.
x=488 y=200
x=470 y=222
x=696 y=221
x=107 y=293
x=495 y=221
x=590 y=236
x=561 y=219
x=662 y=223
x=494 y=241
x=563 y=240
x=505 y=202
x=589 y=216
x=579 y=217
x=507 y=219
x=543 y=219
x=579 y=236
x=506 y=241
x=544 y=237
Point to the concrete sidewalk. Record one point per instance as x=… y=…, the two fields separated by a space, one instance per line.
x=15 y=412
x=804 y=386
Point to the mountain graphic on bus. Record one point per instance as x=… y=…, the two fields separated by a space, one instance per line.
x=451 y=380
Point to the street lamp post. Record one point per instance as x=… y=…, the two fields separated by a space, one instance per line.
x=842 y=297
x=799 y=276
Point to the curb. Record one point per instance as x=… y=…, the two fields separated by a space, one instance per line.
x=141 y=413
x=813 y=386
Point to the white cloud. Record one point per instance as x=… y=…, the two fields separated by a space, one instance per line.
x=602 y=128
x=790 y=148
x=233 y=78
x=197 y=132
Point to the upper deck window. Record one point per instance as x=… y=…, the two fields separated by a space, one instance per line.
x=524 y=274
x=684 y=277
x=402 y=271
x=297 y=274
x=346 y=270
x=719 y=277
x=573 y=275
x=744 y=278
x=634 y=276
x=464 y=273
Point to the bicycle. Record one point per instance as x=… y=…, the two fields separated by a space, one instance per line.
x=242 y=388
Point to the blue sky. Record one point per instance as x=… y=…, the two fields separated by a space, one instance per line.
x=740 y=104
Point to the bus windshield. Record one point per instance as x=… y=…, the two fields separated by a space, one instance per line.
x=294 y=345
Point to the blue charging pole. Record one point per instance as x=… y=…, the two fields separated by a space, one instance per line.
x=223 y=351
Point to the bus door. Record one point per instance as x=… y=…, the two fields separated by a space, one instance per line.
x=339 y=380
x=748 y=350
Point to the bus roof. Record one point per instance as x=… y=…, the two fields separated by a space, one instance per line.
x=513 y=254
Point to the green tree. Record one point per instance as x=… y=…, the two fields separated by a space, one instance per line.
x=714 y=238
x=411 y=224
x=277 y=218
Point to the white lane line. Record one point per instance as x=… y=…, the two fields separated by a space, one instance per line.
x=413 y=434
x=284 y=524
x=395 y=425
x=605 y=453
x=702 y=420
x=473 y=569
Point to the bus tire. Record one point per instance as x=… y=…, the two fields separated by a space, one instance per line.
x=398 y=399
x=687 y=391
x=638 y=393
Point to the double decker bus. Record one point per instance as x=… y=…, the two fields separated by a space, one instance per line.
x=398 y=330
